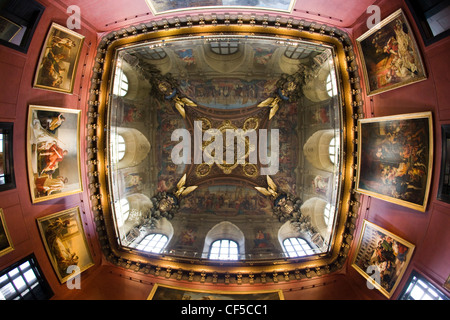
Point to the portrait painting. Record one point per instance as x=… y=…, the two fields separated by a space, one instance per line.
x=53 y=150
x=165 y=292
x=6 y=244
x=395 y=158
x=390 y=55
x=162 y=6
x=381 y=257
x=58 y=61
x=65 y=243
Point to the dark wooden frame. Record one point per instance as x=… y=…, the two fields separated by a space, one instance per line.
x=444 y=189
x=21 y=12
x=6 y=128
x=422 y=24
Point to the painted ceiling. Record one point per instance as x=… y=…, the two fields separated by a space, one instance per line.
x=228 y=82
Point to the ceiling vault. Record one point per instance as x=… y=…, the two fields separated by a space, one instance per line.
x=286 y=206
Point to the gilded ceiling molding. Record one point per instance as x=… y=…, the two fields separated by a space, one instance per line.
x=200 y=270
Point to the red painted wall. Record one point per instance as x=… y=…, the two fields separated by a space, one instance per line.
x=16 y=94
x=428 y=230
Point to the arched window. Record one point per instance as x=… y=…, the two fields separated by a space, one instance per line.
x=224 y=249
x=328 y=214
x=333 y=148
x=117 y=147
x=297 y=247
x=154 y=242
x=224 y=47
x=122 y=211
x=331 y=84
x=120 y=87
x=155 y=53
x=297 y=52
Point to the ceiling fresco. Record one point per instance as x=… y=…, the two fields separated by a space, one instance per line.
x=201 y=133
x=226 y=84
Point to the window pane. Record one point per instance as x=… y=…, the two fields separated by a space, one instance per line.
x=154 y=243
x=297 y=247
x=224 y=249
x=419 y=288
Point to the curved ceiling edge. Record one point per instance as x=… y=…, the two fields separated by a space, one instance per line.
x=225 y=272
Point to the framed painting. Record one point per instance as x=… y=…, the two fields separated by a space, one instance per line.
x=381 y=257
x=53 y=152
x=165 y=292
x=162 y=6
x=6 y=244
x=58 y=61
x=390 y=56
x=395 y=158
x=65 y=243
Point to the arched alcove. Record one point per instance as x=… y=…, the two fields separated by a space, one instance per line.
x=317 y=150
x=224 y=230
x=137 y=147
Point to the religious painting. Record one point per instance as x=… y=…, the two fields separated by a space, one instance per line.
x=390 y=56
x=58 y=62
x=6 y=244
x=226 y=200
x=162 y=6
x=227 y=93
x=381 y=257
x=65 y=243
x=165 y=292
x=395 y=158
x=53 y=150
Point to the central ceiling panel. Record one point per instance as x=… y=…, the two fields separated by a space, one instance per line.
x=224 y=146
x=175 y=102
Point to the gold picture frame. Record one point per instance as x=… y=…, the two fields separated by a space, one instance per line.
x=166 y=292
x=395 y=158
x=58 y=61
x=6 y=244
x=65 y=242
x=384 y=255
x=390 y=56
x=53 y=152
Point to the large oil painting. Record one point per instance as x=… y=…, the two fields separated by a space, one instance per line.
x=58 y=62
x=163 y=6
x=164 y=292
x=395 y=158
x=53 y=149
x=381 y=257
x=390 y=55
x=65 y=243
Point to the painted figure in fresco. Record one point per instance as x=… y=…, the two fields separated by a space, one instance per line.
x=50 y=121
x=388 y=256
x=52 y=156
x=63 y=255
x=46 y=184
